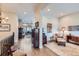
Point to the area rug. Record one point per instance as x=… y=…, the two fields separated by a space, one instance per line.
x=68 y=50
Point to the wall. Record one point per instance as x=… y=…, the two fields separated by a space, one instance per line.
x=13 y=21
x=70 y=20
x=54 y=22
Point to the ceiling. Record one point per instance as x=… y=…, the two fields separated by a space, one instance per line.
x=56 y=9
x=60 y=9
x=24 y=11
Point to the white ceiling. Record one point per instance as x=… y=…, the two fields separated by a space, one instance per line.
x=60 y=9
x=20 y=8
x=56 y=10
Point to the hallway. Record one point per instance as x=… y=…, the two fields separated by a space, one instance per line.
x=25 y=45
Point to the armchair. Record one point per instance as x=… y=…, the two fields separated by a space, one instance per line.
x=60 y=39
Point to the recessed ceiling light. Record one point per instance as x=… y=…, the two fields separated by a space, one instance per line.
x=25 y=12
x=48 y=9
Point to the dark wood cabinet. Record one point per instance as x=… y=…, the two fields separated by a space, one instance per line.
x=20 y=33
x=44 y=37
x=73 y=39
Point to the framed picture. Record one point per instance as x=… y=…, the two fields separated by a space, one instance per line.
x=49 y=27
x=73 y=28
x=5 y=27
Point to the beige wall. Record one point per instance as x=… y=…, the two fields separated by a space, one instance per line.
x=13 y=21
x=69 y=20
x=54 y=22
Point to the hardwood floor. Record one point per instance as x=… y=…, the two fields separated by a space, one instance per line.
x=41 y=52
x=26 y=46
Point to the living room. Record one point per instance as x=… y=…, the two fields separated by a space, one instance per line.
x=56 y=27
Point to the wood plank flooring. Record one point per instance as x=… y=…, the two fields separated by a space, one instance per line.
x=26 y=46
x=41 y=52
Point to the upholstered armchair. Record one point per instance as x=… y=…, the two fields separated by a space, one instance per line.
x=60 y=39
